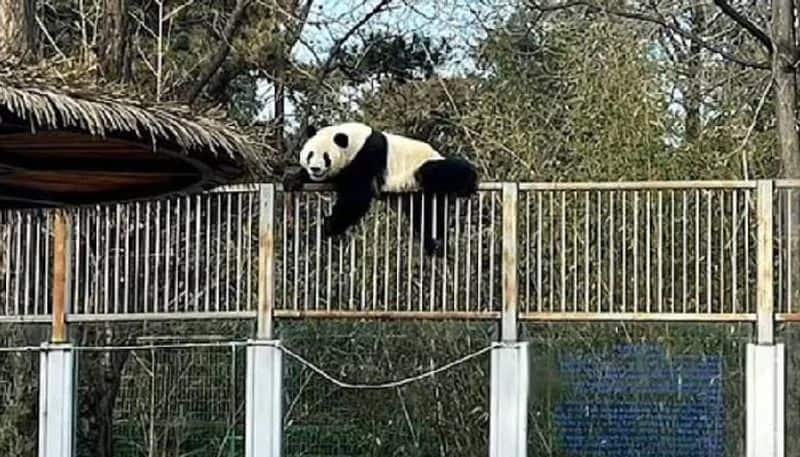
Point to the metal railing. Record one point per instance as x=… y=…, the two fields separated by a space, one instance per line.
x=643 y=251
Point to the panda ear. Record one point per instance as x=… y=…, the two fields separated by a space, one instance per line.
x=310 y=131
x=341 y=140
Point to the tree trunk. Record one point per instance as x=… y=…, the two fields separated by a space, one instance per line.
x=785 y=82
x=18 y=29
x=693 y=89
x=113 y=49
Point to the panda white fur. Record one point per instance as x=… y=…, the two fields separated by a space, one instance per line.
x=363 y=162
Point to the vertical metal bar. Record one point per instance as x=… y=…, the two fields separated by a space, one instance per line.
x=318 y=250
x=375 y=242
x=709 y=283
x=575 y=251
x=228 y=211
x=421 y=242
x=468 y=263
x=552 y=266
x=207 y=284
x=624 y=249
x=117 y=285
x=386 y=255
x=306 y=244
x=434 y=229
x=611 y=265
x=284 y=250
x=444 y=258
x=789 y=235
x=26 y=290
x=586 y=253
x=167 y=254
x=127 y=273
x=765 y=302
x=239 y=261
x=660 y=252
x=721 y=251
x=491 y=254
x=296 y=253
x=734 y=258
x=157 y=256
x=527 y=251
x=410 y=248
x=697 y=250
x=539 y=257
x=672 y=250
x=457 y=247
x=266 y=260
x=510 y=287
x=145 y=257
x=648 y=252
x=563 y=253
x=330 y=273
x=188 y=252
x=598 y=228
x=36 y=265
x=635 y=274
x=398 y=248
x=684 y=247
x=748 y=215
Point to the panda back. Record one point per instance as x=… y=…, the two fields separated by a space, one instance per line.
x=404 y=156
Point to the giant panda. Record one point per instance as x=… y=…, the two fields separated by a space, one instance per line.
x=363 y=163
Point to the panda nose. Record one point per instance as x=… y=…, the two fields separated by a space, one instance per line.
x=316 y=170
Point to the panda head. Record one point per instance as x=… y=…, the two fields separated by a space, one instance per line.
x=330 y=149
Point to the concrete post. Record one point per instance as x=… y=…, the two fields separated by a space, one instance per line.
x=263 y=410
x=56 y=400
x=508 y=404
x=765 y=400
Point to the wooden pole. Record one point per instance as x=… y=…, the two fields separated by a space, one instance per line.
x=266 y=261
x=764 y=263
x=508 y=327
x=60 y=276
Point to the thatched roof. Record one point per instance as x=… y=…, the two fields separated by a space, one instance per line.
x=36 y=102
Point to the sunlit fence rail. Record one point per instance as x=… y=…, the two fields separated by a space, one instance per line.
x=544 y=251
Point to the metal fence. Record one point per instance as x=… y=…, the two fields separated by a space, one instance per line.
x=555 y=251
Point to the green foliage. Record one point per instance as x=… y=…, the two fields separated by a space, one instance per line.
x=393 y=56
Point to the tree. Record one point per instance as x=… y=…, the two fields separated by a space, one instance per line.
x=18 y=35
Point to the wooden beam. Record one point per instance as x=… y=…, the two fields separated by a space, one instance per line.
x=61 y=275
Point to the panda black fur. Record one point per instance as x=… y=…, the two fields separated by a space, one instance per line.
x=362 y=163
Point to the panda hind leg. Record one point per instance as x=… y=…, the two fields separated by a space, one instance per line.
x=450 y=176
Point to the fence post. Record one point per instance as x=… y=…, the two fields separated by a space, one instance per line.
x=508 y=402
x=765 y=360
x=263 y=395
x=57 y=359
x=764 y=263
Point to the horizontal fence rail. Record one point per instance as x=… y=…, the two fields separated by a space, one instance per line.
x=640 y=251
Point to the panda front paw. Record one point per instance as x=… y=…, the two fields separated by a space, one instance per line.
x=293 y=179
x=434 y=248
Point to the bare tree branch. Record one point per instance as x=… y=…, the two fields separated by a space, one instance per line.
x=337 y=46
x=222 y=53
x=657 y=20
x=748 y=25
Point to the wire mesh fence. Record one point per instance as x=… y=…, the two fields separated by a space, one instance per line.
x=446 y=414
x=19 y=391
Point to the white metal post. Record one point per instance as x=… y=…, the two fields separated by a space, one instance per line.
x=508 y=404
x=56 y=400
x=263 y=410
x=765 y=400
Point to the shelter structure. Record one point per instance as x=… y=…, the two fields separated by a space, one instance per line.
x=64 y=143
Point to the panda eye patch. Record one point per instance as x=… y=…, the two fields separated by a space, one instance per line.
x=327 y=160
x=310 y=153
